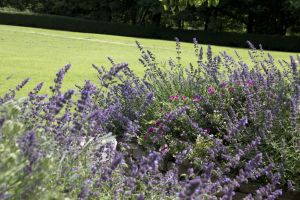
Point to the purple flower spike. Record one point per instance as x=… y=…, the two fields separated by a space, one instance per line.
x=22 y=84
x=141 y=197
x=223 y=84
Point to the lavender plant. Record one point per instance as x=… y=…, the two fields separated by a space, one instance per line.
x=236 y=101
x=180 y=132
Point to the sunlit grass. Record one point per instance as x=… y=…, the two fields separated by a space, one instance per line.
x=40 y=53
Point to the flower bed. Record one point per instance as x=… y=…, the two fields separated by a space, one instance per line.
x=189 y=132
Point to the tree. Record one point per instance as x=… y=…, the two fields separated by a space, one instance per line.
x=144 y=11
x=182 y=4
x=179 y=9
x=261 y=16
x=253 y=16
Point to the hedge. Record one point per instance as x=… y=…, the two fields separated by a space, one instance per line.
x=270 y=42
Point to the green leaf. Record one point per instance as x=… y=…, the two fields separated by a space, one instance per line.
x=198 y=3
x=11 y=128
x=213 y=3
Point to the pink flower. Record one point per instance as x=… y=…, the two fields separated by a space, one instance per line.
x=145 y=137
x=172 y=98
x=211 y=90
x=207 y=130
x=231 y=89
x=184 y=98
x=164 y=149
x=157 y=123
x=250 y=83
x=150 y=130
x=196 y=98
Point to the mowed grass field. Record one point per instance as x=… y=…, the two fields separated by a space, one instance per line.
x=40 y=53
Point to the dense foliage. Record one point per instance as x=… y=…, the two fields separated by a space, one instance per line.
x=211 y=15
x=189 y=132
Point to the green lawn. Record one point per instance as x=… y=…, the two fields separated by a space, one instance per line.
x=39 y=53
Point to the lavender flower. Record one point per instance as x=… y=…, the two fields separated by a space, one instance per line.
x=59 y=78
x=190 y=189
x=141 y=197
x=22 y=84
x=30 y=149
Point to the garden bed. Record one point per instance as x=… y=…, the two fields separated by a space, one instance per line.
x=216 y=129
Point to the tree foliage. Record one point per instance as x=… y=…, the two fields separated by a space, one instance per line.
x=283 y=16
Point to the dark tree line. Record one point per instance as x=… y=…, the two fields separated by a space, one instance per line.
x=252 y=16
